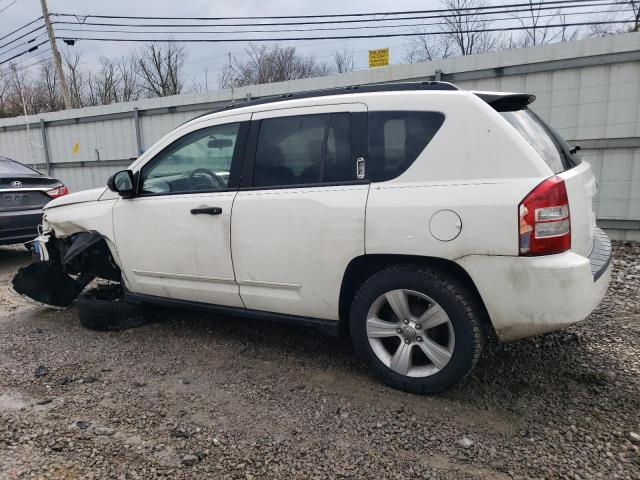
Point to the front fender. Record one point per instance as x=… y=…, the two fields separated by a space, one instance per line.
x=95 y=216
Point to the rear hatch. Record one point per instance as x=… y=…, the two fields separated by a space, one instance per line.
x=566 y=164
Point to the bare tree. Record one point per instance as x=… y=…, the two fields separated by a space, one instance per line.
x=47 y=96
x=160 y=68
x=130 y=88
x=428 y=46
x=343 y=60
x=76 y=77
x=629 y=10
x=537 y=29
x=465 y=24
x=269 y=64
x=104 y=85
x=21 y=92
x=4 y=93
x=459 y=33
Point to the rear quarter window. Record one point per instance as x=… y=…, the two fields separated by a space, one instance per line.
x=396 y=139
x=547 y=143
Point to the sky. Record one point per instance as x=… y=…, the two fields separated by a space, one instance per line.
x=205 y=61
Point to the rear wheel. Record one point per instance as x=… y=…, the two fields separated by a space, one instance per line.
x=104 y=308
x=418 y=329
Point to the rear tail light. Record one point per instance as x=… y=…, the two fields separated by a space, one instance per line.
x=57 y=192
x=545 y=223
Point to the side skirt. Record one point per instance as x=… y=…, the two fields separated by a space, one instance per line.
x=328 y=326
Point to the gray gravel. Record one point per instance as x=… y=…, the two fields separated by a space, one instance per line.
x=195 y=396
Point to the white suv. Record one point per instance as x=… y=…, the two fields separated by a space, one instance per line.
x=411 y=216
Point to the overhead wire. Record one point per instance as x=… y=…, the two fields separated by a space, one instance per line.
x=21 y=64
x=345 y=37
x=511 y=18
x=32 y=49
x=5 y=8
x=20 y=28
x=465 y=13
x=339 y=15
x=22 y=36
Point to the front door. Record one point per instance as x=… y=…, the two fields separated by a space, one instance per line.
x=299 y=217
x=173 y=237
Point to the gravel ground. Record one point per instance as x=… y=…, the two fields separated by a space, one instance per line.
x=193 y=396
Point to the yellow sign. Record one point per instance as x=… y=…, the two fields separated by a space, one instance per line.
x=76 y=147
x=379 y=58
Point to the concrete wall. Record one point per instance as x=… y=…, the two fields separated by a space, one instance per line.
x=589 y=90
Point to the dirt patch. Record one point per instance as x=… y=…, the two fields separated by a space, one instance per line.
x=199 y=396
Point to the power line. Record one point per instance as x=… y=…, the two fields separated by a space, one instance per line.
x=20 y=65
x=21 y=44
x=346 y=37
x=581 y=4
x=20 y=28
x=5 y=8
x=512 y=18
x=22 y=36
x=23 y=53
x=340 y=15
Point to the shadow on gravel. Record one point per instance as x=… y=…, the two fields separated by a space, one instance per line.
x=531 y=373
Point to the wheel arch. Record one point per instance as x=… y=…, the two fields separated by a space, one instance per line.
x=362 y=267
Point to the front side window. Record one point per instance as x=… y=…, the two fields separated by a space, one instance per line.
x=199 y=161
x=397 y=138
x=303 y=150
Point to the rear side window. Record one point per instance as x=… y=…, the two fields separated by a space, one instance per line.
x=547 y=143
x=303 y=150
x=396 y=139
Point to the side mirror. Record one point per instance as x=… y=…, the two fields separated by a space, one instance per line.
x=122 y=183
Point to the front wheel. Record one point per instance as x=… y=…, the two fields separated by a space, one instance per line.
x=104 y=308
x=417 y=328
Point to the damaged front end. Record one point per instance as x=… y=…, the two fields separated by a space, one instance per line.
x=65 y=267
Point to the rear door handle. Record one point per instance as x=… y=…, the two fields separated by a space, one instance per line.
x=206 y=211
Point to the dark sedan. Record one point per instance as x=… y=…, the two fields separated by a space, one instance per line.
x=23 y=193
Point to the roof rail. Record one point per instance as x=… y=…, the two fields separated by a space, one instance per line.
x=377 y=87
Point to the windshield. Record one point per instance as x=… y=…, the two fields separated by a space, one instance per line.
x=9 y=167
x=544 y=140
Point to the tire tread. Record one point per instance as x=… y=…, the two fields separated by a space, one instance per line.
x=456 y=290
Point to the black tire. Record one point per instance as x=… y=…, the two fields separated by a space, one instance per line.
x=459 y=304
x=104 y=308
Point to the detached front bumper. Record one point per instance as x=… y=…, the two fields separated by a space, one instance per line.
x=527 y=296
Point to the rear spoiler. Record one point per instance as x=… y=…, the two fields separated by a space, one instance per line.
x=506 y=102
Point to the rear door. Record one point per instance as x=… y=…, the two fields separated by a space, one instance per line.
x=577 y=175
x=299 y=216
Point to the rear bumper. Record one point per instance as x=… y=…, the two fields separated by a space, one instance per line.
x=19 y=226
x=528 y=296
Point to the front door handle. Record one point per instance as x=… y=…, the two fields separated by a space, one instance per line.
x=206 y=211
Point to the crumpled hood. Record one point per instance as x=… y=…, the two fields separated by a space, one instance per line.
x=77 y=197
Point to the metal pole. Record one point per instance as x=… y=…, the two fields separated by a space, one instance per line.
x=45 y=145
x=57 y=61
x=136 y=121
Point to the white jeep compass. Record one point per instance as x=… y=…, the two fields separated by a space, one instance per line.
x=413 y=217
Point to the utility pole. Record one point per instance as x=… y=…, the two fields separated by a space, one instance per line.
x=57 y=61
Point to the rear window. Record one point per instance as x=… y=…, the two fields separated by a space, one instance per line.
x=14 y=168
x=553 y=149
x=397 y=138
